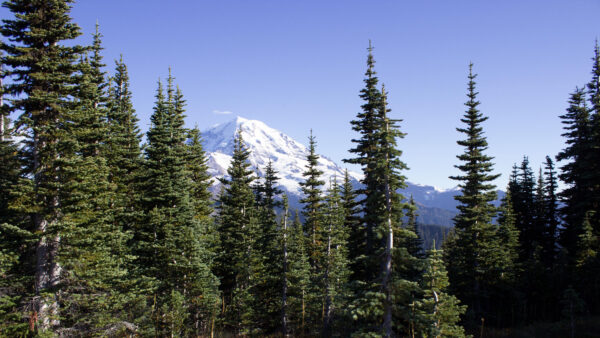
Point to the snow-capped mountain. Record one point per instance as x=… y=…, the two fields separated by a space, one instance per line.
x=437 y=206
x=265 y=143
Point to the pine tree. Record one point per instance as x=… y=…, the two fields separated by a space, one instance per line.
x=551 y=221
x=366 y=124
x=573 y=173
x=170 y=252
x=352 y=221
x=441 y=311
x=414 y=245
x=268 y=268
x=123 y=153
x=299 y=278
x=335 y=260
x=201 y=180
x=313 y=225
x=42 y=67
x=14 y=246
x=472 y=255
x=593 y=168
x=236 y=224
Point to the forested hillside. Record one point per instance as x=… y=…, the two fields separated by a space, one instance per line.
x=103 y=235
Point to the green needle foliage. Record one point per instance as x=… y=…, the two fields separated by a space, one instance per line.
x=473 y=253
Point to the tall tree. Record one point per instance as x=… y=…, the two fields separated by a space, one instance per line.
x=268 y=263
x=335 y=260
x=313 y=225
x=299 y=278
x=168 y=242
x=471 y=255
x=573 y=173
x=236 y=224
x=42 y=67
x=365 y=149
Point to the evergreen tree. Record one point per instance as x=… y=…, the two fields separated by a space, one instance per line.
x=573 y=173
x=170 y=252
x=42 y=68
x=335 y=260
x=237 y=225
x=95 y=250
x=268 y=268
x=472 y=255
x=352 y=221
x=299 y=278
x=441 y=311
x=15 y=253
x=551 y=221
x=201 y=180
x=313 y=225
x=123 y=153
x=414 y=245
x=366 y=124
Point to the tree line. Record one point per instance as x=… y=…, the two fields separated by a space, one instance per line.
x=103 y=236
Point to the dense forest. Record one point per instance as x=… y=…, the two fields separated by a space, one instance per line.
x=101 y=235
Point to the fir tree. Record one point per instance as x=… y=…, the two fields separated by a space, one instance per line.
x=335 y=260
x=551 y=221
x=42 y=68
x=366 y=124
x=313 y=225
x=573 y=173
x=201 y=180
x=472 y=255
x=236 y=224
x=441 y=311
x=123 y=153
x=268 y=269
x=299 y=278
x=169 y=247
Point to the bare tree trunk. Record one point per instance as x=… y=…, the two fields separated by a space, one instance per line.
x=1 y=105
x=284 y=318
x=387 y=268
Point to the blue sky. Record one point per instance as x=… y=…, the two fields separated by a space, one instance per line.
x=298 y=65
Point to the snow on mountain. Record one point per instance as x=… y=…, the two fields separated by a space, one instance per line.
x=289 y=160
x=288 y=155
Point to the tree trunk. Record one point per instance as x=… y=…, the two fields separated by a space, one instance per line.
x=47 y=269
x=327 y=309
x=284 y=318
x=387 y=268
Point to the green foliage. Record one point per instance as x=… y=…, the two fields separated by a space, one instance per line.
x=473 y=253
x=237 y=225
x=440 y=311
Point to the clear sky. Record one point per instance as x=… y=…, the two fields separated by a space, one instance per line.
x=298 y=65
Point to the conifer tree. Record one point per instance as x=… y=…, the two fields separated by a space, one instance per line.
x=573 y=173
x=551 y=221
x=441 y=311
x=268 y=267
x=123 y=153
x=299 y=278
x=335 y=260
x=42 y=67
x=352 y=221
x=15 y=250
x=170 y=252
x=365 y=151
x=414 y=245
x=94 y=247
x=236 y=224
x=313 y=225
x=201 y=180
x=472 y=255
